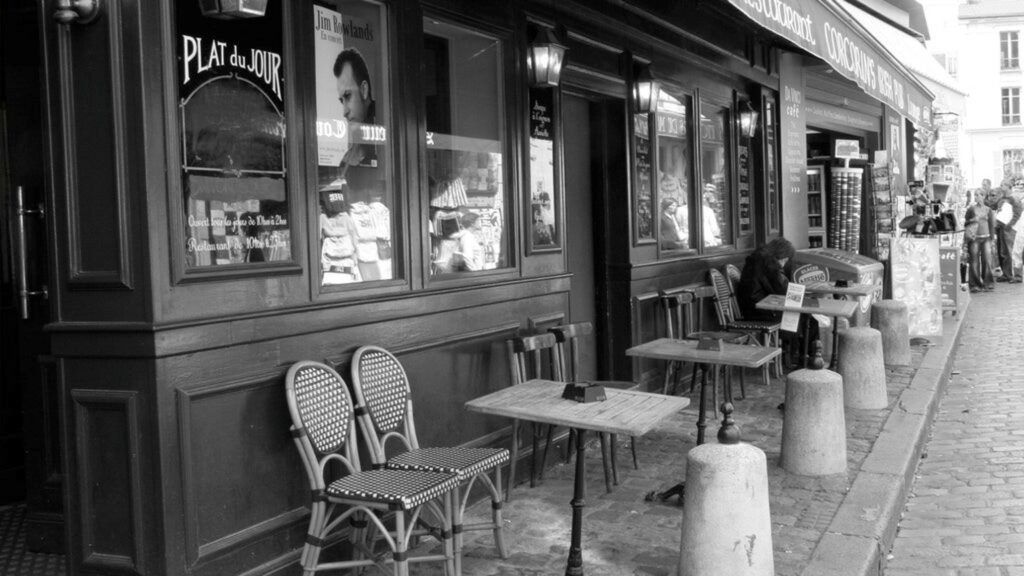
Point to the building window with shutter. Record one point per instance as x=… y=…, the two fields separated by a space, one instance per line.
x=1011 y=106
x=1009 y=51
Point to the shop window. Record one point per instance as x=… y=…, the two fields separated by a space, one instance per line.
x=643 y=207
x=1009 y=51
x=674 y=121
x=1011 y=106
x=545 y=233
x=234 y=207
x=464 y=104
x=715 y=197
x=355 y=178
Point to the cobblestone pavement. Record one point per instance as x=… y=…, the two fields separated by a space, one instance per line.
x=625 y=535
x=965 y=515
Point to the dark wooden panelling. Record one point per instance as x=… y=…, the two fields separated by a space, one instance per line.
x=110 y=497
x=240 y=473
x=95 y=145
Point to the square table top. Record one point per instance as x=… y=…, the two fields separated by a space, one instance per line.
x=628 y=412
x=685 y=350
x=829 y=287
x=824 y=306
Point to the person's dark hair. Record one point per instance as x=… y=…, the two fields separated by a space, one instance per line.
x=780 y=248
x=360 y=72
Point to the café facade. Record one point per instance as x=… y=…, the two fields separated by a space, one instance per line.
x=204 y=197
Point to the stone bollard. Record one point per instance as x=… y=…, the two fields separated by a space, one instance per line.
x=727 y=525
x=814 y=425
x=862 y=368
x=891 y=318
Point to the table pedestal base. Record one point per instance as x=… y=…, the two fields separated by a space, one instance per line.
x=574 y=566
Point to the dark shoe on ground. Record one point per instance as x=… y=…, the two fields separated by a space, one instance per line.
x=975 y=290
x=990 y=288
x=1002 y=279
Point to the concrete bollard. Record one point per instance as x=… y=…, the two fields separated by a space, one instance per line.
x=727 y=525
x=892 y=319
x=862 y=368
x=814 y=425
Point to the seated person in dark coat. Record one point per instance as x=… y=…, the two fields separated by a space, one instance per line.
x=764 y=273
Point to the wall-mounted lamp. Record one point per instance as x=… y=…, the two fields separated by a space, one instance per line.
x=646 y=90
x=76 y=11
x=233 y=9
x=748 y=121
x=544 y=59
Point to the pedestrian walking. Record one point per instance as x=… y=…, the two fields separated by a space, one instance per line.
x=979 y=225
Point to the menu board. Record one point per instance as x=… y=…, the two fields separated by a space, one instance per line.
x=917 y=281
x=544 y=228
x=793 y=155
x=643 y=210
x=233 y=157
x=746 y=220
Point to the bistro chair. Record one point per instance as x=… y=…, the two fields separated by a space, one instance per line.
x=727 y=310
x=769 y=334
x=682 y=321
x=384 y=408
x=532 y=357
x=567 y=342
x=344 y=496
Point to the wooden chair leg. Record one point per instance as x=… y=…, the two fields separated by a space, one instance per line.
x=614 y=451
x=693 y=377
x=533 y=456
x=544 y=458
x=743 y=387
x=669 y=367
x=513 y=458
x=632 y=448
x=569 y=444
x=604 y=462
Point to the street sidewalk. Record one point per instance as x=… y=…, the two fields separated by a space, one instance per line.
x=821 y=526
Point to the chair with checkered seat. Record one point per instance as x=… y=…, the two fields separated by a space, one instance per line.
x=728 y=312
x=345 y=496
x=567 y=345
x=385 y=411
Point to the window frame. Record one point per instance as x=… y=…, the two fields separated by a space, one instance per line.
x=181 y=272
x=695 y=250
x=304 y=77
x=1010 y=106
x=1009 y=50
x=718 y=103
x=513 y=123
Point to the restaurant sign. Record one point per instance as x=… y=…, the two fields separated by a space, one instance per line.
x=822 y=31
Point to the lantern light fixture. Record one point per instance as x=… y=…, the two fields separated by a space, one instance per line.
x=748 y=121
x=544 y=59
x=646 y=91
x=233 y=9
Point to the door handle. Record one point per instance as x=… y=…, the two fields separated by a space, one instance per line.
x=20 y=212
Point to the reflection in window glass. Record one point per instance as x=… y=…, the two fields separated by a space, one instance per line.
x=465 y=139
x=716 y=212
x=233 y=141
x=356 y=190
x=674 y=172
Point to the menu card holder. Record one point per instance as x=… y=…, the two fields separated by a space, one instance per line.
x=584 y=392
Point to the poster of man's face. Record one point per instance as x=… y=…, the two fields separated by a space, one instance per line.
x=354 y=94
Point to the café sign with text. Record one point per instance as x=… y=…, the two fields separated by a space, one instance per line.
x=823 y=32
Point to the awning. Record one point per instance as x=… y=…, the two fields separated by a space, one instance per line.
x=823 y=29
x=913 y=53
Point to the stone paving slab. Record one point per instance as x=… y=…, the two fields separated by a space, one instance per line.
x=830 y=526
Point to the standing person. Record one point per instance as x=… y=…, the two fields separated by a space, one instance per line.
x=979 y=224
x=671 y=236
x=1008 y=211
